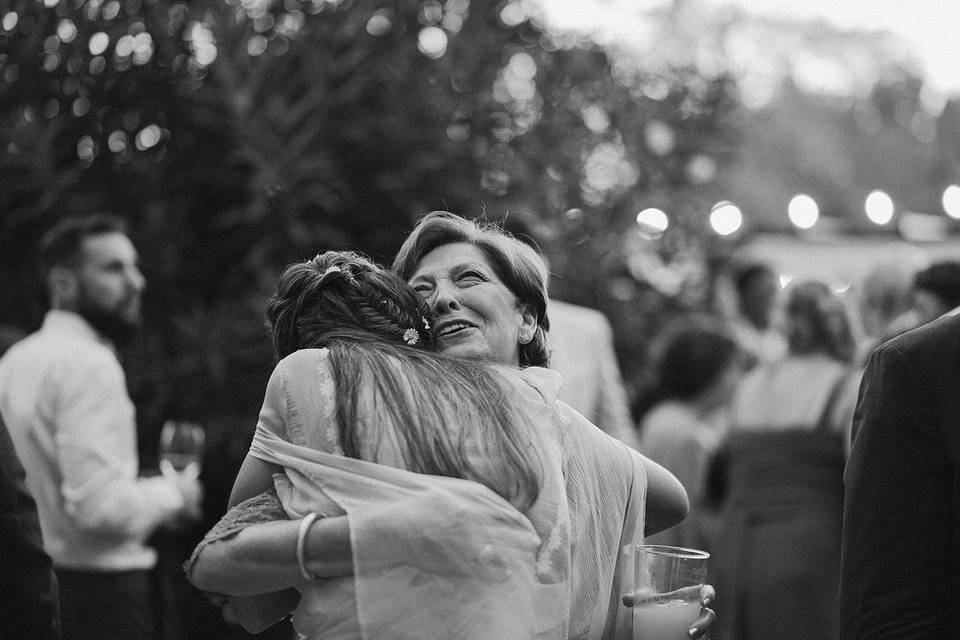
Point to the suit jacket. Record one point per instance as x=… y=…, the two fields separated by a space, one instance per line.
x=581 y=342
x=29 y=607
x=901 y=531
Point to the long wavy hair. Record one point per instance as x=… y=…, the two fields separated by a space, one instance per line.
x=451 y=417
x=517 y=265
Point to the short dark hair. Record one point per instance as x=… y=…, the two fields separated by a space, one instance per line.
x=62 y=244
x=690 y=355
x=942 y=279
x=747 y=274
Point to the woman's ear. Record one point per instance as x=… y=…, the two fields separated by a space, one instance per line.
x=528 y=323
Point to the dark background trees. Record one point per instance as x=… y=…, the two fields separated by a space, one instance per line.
x=239 y=136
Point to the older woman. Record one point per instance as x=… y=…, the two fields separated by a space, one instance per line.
x=488 y=299
x=488 y=294
x=778 y=549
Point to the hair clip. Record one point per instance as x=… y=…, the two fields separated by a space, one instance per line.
x=333 y=269
x=411 y=336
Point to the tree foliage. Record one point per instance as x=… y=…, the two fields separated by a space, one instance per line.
x=240 y=135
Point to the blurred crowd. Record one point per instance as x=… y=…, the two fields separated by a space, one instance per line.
x=752 y=412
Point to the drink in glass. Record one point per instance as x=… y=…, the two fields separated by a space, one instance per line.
x=181 y=447
x=667 y=582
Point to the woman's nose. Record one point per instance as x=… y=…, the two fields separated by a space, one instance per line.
x=445 y=298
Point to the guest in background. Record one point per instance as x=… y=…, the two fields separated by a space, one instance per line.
x=64 y=399
x=936 y=290
x=582 y=350
x=697 y=365
x=757 y=292
x=778 y=474
x=886 y=295
x=29 y=606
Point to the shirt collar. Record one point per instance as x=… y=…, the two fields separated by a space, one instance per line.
x=72 y=323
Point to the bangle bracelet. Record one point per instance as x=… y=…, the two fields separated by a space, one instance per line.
x=301 y=547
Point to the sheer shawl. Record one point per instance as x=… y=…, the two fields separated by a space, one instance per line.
x=448 y=558
x=434 y=557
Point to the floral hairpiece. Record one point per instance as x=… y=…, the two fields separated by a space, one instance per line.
x=411 y=336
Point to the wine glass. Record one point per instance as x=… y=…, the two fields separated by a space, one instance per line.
x=181 y=448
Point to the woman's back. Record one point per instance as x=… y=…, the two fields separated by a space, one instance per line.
x=791 y=393
x=780 y=475
x=591 y=499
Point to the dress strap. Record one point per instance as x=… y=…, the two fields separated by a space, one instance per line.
x=823 y=424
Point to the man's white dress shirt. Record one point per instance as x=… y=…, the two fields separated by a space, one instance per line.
x=64 y=398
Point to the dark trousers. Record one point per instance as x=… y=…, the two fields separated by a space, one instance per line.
x=108 y=606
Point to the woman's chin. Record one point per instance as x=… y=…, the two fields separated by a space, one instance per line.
x=466 y=349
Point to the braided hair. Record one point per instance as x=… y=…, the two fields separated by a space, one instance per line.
x=439 y=408
x=342 y=294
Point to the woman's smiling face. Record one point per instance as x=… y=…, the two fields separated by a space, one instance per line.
x=475 y=315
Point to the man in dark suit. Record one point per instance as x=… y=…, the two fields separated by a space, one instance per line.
x=901 y=529
x=28 y=591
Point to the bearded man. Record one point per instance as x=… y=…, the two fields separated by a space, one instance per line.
x=64 y=398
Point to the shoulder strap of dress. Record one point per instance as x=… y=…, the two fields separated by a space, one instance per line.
x=823 y=424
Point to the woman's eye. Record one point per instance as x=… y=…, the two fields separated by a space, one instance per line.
x=472 y=275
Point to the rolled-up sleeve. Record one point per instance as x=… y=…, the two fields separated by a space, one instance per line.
x=96 y=444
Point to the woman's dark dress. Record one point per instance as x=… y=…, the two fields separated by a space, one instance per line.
x=776 y=561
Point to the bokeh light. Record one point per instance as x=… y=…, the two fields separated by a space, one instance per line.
x=98 y=43
x=726 y=218
x=148 y=137
x=951 y=201
x=86 y=149
x=879 y=207
x=701 y=169
x=659 y=138
x=432 y=42
x=513 y=14
x=652 y=222
x=379 y=23
x=202 y=43
x=803 y=211
x=10 y=20
x=66 y=31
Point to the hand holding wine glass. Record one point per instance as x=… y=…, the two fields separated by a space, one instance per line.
x=181 y=457
x=181 y=448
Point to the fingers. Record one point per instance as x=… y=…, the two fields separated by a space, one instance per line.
x=707 y=595
x=701 y=626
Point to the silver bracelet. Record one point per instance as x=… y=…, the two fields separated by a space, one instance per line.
x=301 y=546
